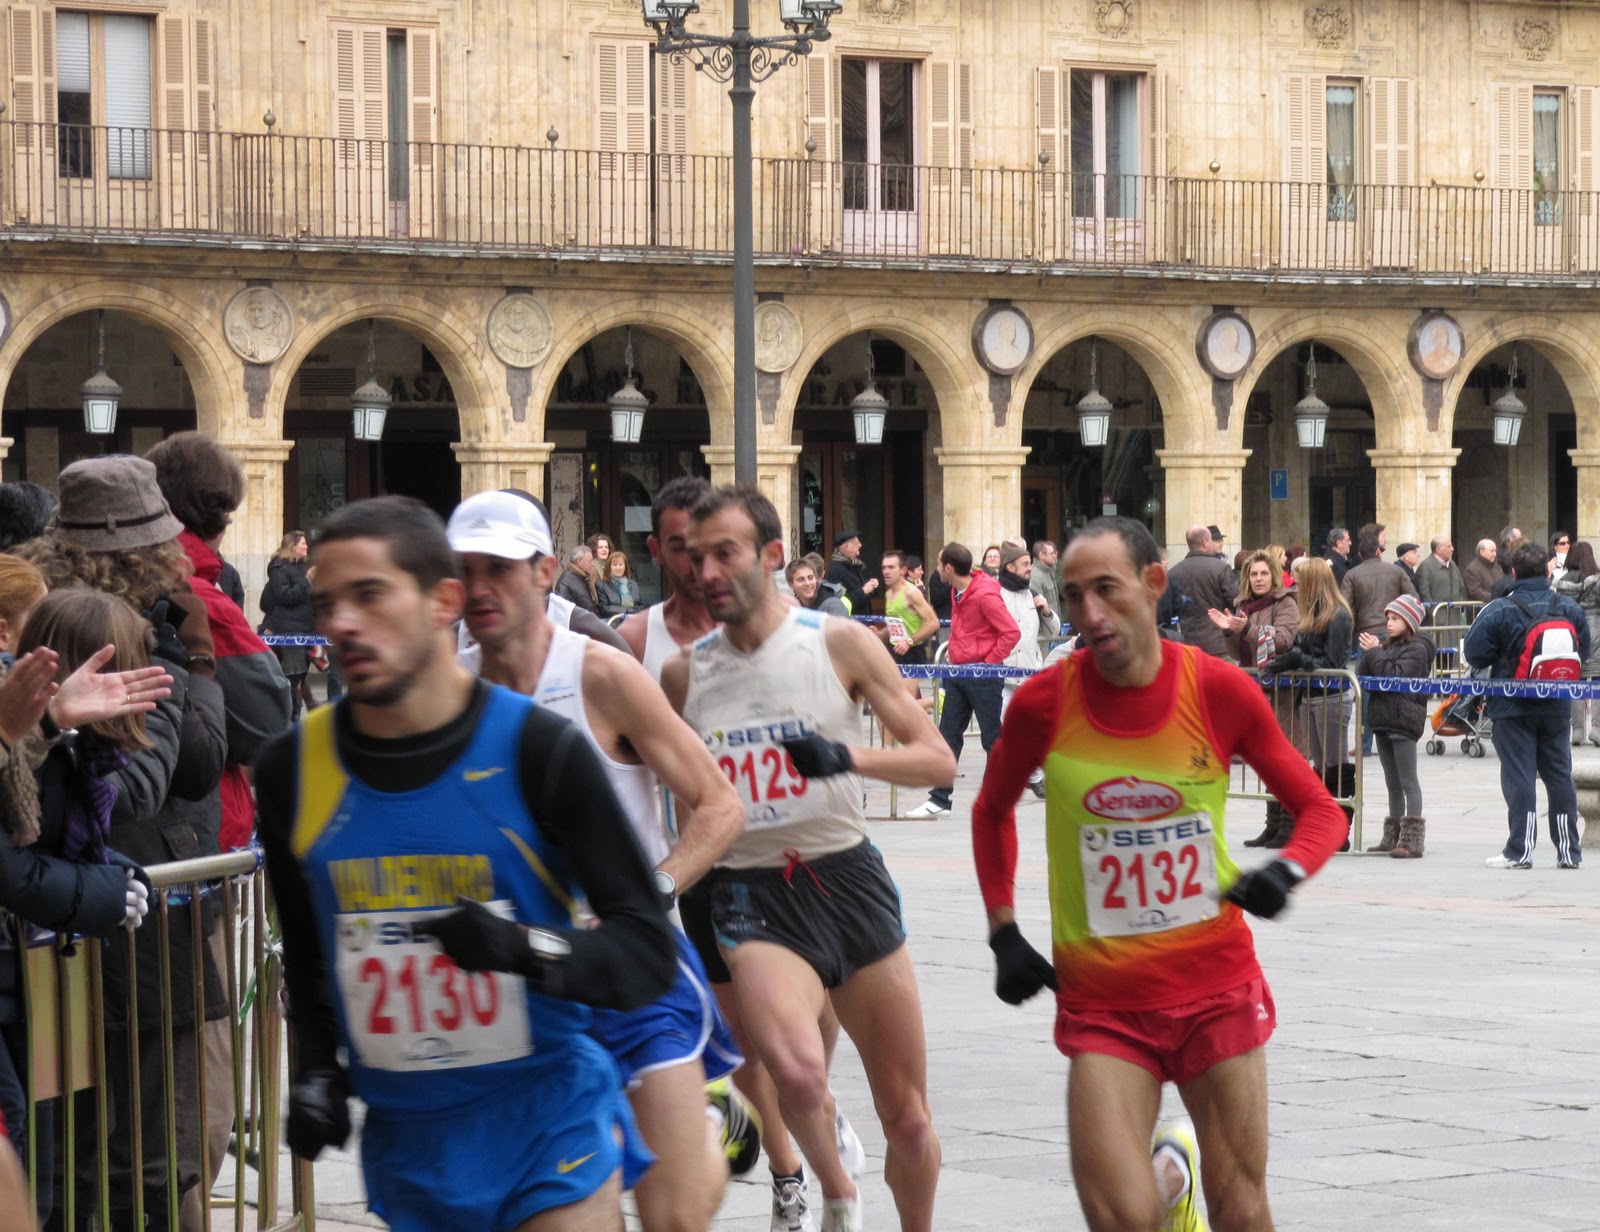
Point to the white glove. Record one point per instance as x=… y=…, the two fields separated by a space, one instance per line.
x=138 y=903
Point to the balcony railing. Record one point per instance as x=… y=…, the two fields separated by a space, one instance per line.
x=258 y=190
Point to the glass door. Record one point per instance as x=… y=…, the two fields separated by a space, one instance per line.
x=878 y=128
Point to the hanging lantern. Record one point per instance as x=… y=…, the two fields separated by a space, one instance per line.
x=1311 y=412
x=370 y=403
x=869 y=408
x=1508 y=410
x=1094 y=408
x=668 y=11
x=100 y=393
x=628 y=404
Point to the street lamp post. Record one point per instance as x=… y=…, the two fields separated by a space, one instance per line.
x=741 y=60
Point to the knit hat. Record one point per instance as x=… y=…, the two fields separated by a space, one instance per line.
x=1010 y=551
x=113 y=503
x=1409 y=609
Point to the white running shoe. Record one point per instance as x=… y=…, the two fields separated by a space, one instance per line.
x=842 y=1215
x=929 y=809
x=790 y=1209
x=852 y=1156
x=1504 y=861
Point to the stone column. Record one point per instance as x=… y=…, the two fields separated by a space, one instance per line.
x=487 y=466
x=1204 y=488
x=1588 y=463
x=982 y=495
x=6 y=442
x=257 y=526
x=774 y=477
x=1414 y=493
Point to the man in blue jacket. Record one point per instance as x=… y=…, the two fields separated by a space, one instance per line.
x=1530 y=734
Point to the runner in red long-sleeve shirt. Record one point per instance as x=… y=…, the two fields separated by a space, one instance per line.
x=1154 y=965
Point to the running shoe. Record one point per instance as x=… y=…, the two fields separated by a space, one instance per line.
x=929 y=809
x=1505 y=861
x=790 y=1212
x=1177 y=1143
x=842 y=1215
x=1036 y=785
x=741 y=1126
x=852 y=1158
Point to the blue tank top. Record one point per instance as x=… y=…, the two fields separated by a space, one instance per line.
x=421 y=1033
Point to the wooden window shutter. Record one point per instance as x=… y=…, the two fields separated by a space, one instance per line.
x=374 y=97
x=346 y=105
x=941 y=122
x=1391 y=108
x=1047 y=120
x=607 y=95
x=32 y=30
x=1512 y=138
x=672 y=105
x=1156 y=124
x=422 y=64
x=172 y=40
x=1585 y=99
x=820 y=112
x=1306 y=121
x=636 y=96
x=622 y=95
x=205 y=82
x=965 y=127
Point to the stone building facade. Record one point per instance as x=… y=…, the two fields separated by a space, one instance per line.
x=500 y=200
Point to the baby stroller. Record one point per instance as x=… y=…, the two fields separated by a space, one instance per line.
x=1459 y=714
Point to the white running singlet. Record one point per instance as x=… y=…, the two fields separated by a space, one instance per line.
x=744 y=706
x=659 y=648
x=560 y=688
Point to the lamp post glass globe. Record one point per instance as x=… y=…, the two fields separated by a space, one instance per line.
x=669 y=10
x=804 y=12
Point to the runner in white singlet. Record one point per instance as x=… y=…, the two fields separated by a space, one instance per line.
x=802 y=903
x=656 y=636
x=668 y=1049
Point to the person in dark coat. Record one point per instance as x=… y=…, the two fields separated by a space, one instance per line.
x=286 y=608
x=1397 y=721
x=845 y=572
x=1200 y=582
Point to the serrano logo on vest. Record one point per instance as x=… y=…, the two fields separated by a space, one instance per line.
x=1131 y=799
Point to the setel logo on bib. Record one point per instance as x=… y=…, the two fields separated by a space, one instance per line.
x=1147 y=870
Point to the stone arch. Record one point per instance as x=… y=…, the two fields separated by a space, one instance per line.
x=1172 y=369
x=952 y=371
x=707 y=347
x=205 y=357
x=1376 y=353
x=456 y=342
x=1567 y=342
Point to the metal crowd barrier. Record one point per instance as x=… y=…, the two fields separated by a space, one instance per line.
x=1447 y=625
x=82 y=1051
x=1312 y=714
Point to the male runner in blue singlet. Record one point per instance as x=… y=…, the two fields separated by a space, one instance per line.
x=427 y=840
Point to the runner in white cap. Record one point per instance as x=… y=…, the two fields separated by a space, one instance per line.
x=668 y=1050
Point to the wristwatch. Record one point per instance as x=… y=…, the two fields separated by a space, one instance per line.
x=667 y=887
x=552 y=947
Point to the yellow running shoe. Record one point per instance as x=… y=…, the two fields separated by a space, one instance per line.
x=1177 y=1143
x=741 y=1126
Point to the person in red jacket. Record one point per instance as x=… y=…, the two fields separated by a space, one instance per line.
x=981 y=631
x=1154 y=967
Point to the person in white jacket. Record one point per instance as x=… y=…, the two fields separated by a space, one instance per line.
x=1034 y=618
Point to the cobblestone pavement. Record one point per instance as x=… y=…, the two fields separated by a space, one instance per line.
x=1435 y=1065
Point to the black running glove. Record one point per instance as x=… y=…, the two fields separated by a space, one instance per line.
x=476 y=939
x=1265 y=891
x=1020 y=970
x=319 y=1112
x=817 y=758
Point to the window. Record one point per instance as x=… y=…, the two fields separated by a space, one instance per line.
x=103 y=89
x=1105 y=133
x=1548 y=110
x=878 y=134
x=1342 y=133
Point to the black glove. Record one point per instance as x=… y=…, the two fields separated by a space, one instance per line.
x=1289 y=661
x=1265 y=891
x=1019 y=969
x=817 y=758
x=319 y=1112
x=476 y=939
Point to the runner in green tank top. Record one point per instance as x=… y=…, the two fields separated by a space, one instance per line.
x=909 y=621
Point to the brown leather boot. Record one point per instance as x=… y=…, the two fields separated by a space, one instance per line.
x=1391 y=835
x=1411 y=839
x=1277 y=816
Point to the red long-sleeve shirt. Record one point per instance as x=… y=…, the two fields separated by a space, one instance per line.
x=1157 y=969
x=981 y=627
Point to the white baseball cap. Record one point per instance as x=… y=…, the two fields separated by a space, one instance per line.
x=500 y=524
